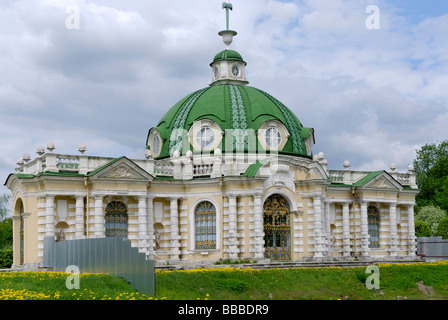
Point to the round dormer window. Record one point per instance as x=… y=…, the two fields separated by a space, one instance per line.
x=156 y=144
x=215 y=72
x=272 y=137
x=205 y=137
x=235 y=70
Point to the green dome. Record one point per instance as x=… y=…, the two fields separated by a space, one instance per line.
x=230 y=106
x=228 y=55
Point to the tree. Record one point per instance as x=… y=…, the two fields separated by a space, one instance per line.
x=442 y=229
x=4 y=204
x=422 y=229
x=5 y=233
x=431 y=216
x=431 y=169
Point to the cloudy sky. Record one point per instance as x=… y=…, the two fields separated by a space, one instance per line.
x=373 y=96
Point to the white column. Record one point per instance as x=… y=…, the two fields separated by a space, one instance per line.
x=79 y=218
x=258 y=224
x=393 y=242
x=142 y=225
x=364 y=230
x=233 y=231
x=50 y=216
x=174 y=219
x=98 y=222
x=150 y=227
x=411 y=232
x=346 y=229
x=318 y=228
x=327 y=228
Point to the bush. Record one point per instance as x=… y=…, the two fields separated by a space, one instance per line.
x=6 y=258
x=432 y=216
x=422 y=229
x=442 y=229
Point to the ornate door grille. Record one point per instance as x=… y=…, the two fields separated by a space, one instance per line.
x=277 y=230
x=116 y=220
x=205 y=226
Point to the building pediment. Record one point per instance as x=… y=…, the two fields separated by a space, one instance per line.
x=121 y=169
x=383 y=180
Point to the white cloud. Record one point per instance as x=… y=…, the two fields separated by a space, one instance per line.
x=373 y=96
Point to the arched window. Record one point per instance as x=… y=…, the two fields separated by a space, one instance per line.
x=373 y=216
x=116 y=219
x=205 y=226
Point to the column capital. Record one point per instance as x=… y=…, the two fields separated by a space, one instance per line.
x=257 y=195
x=232 y=195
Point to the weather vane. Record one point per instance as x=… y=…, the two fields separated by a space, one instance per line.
x=227 y=6
x=227 y=35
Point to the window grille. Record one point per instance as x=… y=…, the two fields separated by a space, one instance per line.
x=205 y=226
x=373 y=216
x=116 y=220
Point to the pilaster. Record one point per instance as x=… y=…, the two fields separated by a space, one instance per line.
x=258 y=224
x=319 y=246
x=393 y=230
x=174 y=228
x=233 y=231
x=364 y=230
x=98 y=222
x=346 y=229
x=150 y=227
x=79 y=218
x=50 y=216
x=142 y=225
x=411 y=231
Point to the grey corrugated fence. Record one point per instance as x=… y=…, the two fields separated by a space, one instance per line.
x=112 y=255
x=432 y=247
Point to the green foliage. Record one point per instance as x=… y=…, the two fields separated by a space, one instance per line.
x=229 y=261
x=431 y=168
x=233 y=285
x=4 y=204
x=422 y=229
x=6 y=258
x=5 y=233
x=442 y=229
x=432 y=216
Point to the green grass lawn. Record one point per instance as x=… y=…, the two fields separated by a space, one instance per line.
x=396 y=280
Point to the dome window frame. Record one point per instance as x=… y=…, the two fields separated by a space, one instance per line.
x=153 y=134
x=235 y=66
x=281 y=129
x=216 y=72
x=269 y=137
x=196 y=129
x=203 y=135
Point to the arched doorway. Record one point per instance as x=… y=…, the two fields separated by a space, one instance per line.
x=277 y=230
x=116 y=219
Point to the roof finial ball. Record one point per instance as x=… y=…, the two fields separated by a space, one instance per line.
x=82 y=148
x=227 y=35
x=50 y=146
